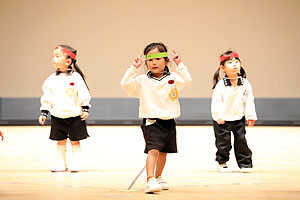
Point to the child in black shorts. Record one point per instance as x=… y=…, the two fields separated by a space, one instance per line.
x=66 y=97
x=159 y=105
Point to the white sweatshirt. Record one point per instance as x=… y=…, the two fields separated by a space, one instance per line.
x=64 y=95
x=158 y=98
x=232 y=103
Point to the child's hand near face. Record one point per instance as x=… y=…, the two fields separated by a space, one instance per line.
x=137 y=62
x=176 y=57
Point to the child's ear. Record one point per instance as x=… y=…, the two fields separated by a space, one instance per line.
x=222 y=67
x=68 y=62
x=167 y=61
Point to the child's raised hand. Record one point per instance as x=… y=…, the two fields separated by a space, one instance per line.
x=250 y=122
x=1 y=135
x=42 y=119
x=84 y=115
x=176 y=57
x=137 y=62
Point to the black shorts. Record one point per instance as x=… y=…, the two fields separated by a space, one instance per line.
x=73 y=128
x=160 y=135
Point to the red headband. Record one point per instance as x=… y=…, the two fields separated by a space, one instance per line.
x=231 y=55
x=66 y=51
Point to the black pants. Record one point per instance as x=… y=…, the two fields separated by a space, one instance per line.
x=242 y=152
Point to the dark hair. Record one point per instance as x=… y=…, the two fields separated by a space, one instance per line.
x=75 y=66
x=160 y=46
x=216 y=77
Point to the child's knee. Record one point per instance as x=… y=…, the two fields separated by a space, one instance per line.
x=62 y=142
x=153 y=152
x=73 y=143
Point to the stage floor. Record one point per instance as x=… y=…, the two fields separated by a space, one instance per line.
x=113 y=156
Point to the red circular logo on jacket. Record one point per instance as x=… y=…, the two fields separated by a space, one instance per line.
x=171 y=81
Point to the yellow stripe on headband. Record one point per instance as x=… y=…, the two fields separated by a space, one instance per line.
x=157 y=55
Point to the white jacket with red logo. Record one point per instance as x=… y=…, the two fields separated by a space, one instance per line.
x=64 y=95
x=232 y=103
x=158 y=97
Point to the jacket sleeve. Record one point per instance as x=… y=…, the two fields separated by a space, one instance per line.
x=250 y=112
x=183 y=77
x=46 y=99
x=131 y=83
x=217 y=105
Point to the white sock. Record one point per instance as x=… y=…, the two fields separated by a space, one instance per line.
x=61 y=156
x=76 y=149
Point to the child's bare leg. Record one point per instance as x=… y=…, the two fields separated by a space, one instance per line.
x=152 y=185
x=74 y=142
x=62 y=142
x=160 y=164
x=151 y=162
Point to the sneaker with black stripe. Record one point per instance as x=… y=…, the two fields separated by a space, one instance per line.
x=223 y=168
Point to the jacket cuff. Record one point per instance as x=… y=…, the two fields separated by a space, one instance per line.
x=85 y=108
x=181 y=64
x=45 y=113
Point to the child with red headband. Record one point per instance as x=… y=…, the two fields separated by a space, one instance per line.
x=66 y=96
x=159 y=105
x=232 y=104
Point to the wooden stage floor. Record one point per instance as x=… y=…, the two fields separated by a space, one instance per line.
x=113 y=156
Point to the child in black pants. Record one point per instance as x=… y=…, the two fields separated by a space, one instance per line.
x=232 y=105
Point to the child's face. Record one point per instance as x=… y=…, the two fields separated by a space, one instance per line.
x=231 y=67
x=60 y=61
x=156 y=65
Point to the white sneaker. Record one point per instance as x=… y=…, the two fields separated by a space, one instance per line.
x=152 y=186
x=162 y=183
x=223 y=168
x=246 y=170
x=74 y=167
x=60 y=167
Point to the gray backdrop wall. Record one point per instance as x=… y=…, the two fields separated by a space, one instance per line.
x=124 y=111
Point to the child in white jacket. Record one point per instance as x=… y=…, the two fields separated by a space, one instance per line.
x=158 y=93
x=232 y=104
x=66 y=96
